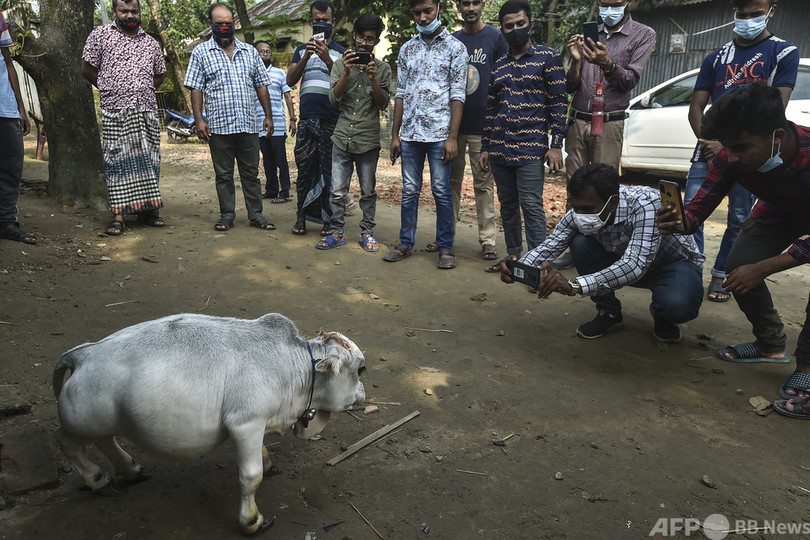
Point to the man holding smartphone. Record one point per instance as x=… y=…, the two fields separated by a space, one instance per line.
x=611 y=230
x=360 y=88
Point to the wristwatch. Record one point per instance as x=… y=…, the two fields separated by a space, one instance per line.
x=576 y=288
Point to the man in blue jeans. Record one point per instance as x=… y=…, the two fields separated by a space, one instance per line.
x=431 y=79
x=613 y=237
x=753 y=55
x=526 y=101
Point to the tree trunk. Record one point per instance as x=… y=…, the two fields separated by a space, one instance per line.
x=174 y=65
x=76 y=166
x=244 y=20
x=552 y=22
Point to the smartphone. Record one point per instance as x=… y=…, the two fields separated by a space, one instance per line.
x=395 y=156
x=362 y=58
x=318 y=36
x=319 y=31
x=671 y=196
x=525 y=273
x=590 y=30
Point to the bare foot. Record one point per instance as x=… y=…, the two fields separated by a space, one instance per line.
x=718 y=296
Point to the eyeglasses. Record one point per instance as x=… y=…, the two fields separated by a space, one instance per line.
x=366 y=40
x=606 y=5
x=266 y=52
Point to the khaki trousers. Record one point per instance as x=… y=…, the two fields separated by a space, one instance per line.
x=584 y=149
x=483 y=186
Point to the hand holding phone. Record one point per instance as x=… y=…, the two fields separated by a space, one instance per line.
x=525 y=273
x=394 y=156
x=671 y=198
x=362 y=58
x=590 y=30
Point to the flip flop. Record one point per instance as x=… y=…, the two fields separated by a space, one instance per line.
x=799 y=380
x=432 y=248
x=496 y=268
x=115 y=228
x=716 y=288
x=331 y=241
x=369 y=240
x=12 y=231
x=802 y=403
x=261 y=223
x=398 y=253
x=747 y=353
x=488 y=252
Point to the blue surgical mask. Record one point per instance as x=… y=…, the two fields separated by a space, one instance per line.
x=429 y=29
x=611 y=15
x=749 y=29
x=775 y=160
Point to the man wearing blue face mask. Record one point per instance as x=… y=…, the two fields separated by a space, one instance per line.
x=753 y=55
x=613 y=238
x=771 y=158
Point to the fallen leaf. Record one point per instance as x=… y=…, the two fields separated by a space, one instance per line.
x=758 y=402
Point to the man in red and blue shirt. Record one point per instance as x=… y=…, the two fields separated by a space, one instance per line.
x=770 y=157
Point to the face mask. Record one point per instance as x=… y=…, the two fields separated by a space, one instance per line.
x=222 y=31
x=319 y=27
x=590 y=223
x=775 y=160
x=429 y=29
x=749 y=29
x=267 y=62
x=611 y=15
x=128 y=25
x=518 y=37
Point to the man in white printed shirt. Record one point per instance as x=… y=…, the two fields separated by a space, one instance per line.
x=613 y=237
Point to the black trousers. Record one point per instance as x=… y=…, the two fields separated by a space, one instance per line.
x=276 y=168
x=11 y=166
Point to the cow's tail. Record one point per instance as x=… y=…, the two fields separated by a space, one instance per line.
x=67 y=361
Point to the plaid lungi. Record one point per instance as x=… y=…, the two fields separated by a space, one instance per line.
x=132 y=160
x=313 y=157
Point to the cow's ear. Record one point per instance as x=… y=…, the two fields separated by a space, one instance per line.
x=329 y=364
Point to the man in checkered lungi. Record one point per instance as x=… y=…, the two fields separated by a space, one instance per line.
x=126 y=64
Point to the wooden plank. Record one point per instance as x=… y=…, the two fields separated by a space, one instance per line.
x=362 y=443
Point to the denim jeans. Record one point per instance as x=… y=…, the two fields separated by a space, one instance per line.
x=413 y=162
x=677 y=287
x=740 y=201
x=276 y=168
x=343 y=164
x=521 y=187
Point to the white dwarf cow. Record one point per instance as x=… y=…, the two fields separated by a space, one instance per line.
x=179 y=386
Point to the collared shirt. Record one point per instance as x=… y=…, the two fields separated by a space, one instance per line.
x=632 y=234
x=429 y=77
x=526 y=100
x=358 y=127
x=629 y=48
x=229 y=85
x=783 y=195
x=127 y=67
x=8 y=101
x=277 y=88
x=315 y=83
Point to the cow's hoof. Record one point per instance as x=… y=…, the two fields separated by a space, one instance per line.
x=272 y=471
x=108 y=490
x=266 y=524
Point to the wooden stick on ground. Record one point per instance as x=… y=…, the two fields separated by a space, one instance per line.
x=367 y=521
x=362 y=443
x=121 y=303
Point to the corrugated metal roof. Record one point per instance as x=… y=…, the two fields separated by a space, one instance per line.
x=294 y=9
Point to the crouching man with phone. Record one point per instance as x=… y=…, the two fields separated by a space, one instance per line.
x=612 y=234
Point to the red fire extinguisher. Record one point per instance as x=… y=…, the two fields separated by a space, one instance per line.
x=598 y=111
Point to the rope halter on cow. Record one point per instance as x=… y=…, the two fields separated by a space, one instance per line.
x=309 y=412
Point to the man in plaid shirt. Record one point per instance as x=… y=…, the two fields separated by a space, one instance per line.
x=612 y=234
x=770 y=157
x=230 y=74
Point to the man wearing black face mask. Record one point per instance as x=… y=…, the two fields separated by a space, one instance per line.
x=126 y=64
x=311 y=65
x=230 y=75
x=526 y=102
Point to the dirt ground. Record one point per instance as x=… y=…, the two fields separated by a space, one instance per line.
x=606 y=436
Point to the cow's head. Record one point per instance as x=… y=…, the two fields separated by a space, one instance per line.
x=337 y=380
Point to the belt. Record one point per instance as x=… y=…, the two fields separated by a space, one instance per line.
x=607 y=117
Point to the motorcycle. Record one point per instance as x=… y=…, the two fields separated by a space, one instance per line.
x=181 y=126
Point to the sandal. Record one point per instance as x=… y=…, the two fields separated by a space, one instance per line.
x=280 y=200
x=330 y=241
x=447 y=260
x=327 y=230
x=496 y=268
x=261 y=223
x=300 y=227
x=223 y=224
x=748 y=353
x=431 y=248
x=488 y=252
x=801 y=408
x=716 y=288
x=115 y=228
x=799 y=381
x=400 y=252
x=151 y=218
x=12 y=231
x=370 y=244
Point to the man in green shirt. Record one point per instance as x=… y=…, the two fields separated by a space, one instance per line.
x=360 y=87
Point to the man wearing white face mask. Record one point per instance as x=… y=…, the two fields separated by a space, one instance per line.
x=613 y=237
x=753 y=55
x=771 y=158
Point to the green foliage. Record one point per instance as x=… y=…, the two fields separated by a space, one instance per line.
x=185 y=18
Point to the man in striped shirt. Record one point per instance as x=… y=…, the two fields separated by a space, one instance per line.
x=613 y=237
